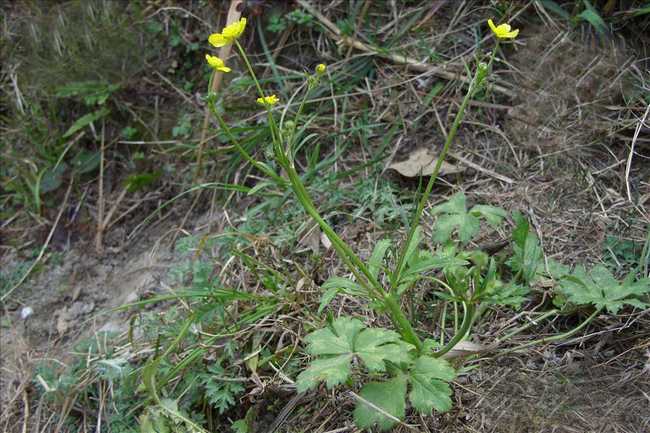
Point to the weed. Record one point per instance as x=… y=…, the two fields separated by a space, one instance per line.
x=471 y=279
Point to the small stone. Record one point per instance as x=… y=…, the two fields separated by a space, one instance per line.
x=26 y=312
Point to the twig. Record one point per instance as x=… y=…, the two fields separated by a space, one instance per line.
x=410 y=63
x=234 y=13
x=100 y=186
x=477 y=167
x=44 y=247
x=628 y=167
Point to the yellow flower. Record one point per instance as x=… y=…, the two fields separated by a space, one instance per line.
x=217 y=63
x=503 y=31
x=321 y=68
x=228 y=34
x=268 y=101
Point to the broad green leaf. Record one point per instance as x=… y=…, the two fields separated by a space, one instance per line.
x=380 y=399
x=92 y=92
x=371 y=346
x=512 y=295
x=492 y=214
x=457 y=203
x=240 y=426
x=85 y=161
x=600 y=288
x=326 y=342
x=333 y=371
x=425 y=261
x=429 y=387
x=137 y=182
x=453 y=216
x=468 y=227
x=444 y=227
x=85 y=120
x=52 y=178
x=377 y=257
x=345 y=339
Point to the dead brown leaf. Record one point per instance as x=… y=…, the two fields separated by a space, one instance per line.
x=421 y=162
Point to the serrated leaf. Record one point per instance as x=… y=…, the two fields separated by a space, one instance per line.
x=600 y=288
x=345 y=285
x=429 y=387
x=377 y=257
x=333 y=371
x=371 y=346
x=443 y=228
x=468 y=226
x=492 y=214
x=337 y=345
x=326 y=342
x=381 y=398
x=512 y=294
x=457 y=203
x=453 y=216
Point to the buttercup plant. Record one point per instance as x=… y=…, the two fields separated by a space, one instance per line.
x=411 y=364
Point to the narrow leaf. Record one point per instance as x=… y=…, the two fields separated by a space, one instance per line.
x=85 y=120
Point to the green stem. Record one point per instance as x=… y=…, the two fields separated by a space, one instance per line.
x=554 y=337
x=250 y=68
x=356 y=266
x=395 y=277
x=527 y=325
x=401 y=322
x=275 y=132
x=468 y=319
x=264 y=169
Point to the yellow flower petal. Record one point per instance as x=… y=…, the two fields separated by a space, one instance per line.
x=234 y=30
x=216 y=63
x=217 y=40
x=503 y=31
x=492 y=26
x=228 y=34
x=268 y=101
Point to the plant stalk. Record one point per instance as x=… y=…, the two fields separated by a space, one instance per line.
x=395 y=277
x=468 y=319
x=554 y=337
